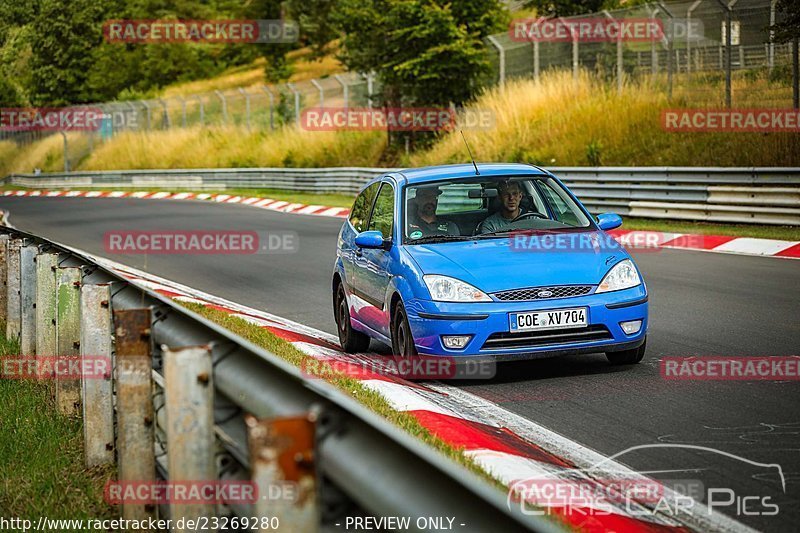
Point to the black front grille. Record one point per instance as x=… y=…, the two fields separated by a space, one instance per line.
x=541 y=293
x=533 y=339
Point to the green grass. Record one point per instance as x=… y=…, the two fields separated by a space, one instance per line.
x=784 y=233
x=42 y=470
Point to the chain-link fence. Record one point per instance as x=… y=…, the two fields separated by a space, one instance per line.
x=708 y=53
x=689 y=51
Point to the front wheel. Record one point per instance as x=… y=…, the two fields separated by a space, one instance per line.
x=402 y=340
x=352 y=341
x=627 y=357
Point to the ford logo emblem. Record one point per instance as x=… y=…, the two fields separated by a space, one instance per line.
x=544 y=294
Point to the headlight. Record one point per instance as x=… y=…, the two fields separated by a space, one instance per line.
x=623 y=275
x=445 y=289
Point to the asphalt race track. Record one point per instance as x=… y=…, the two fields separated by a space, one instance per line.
x=701 y=304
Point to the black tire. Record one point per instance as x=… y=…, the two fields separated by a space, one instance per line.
x=627 y=357
x=402 y=339
x=352 y=341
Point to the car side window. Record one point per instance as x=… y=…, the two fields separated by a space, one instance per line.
x=361 y=207
x=561 y=210
x=383 y=213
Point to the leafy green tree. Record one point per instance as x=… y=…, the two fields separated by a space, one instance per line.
x=424 y=52
x=9 y=97
x=568 y=8
x=316 y=21
x=64 y=33
x=789 y=27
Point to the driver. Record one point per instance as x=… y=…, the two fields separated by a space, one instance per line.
x=510 y=193
x=425 y=222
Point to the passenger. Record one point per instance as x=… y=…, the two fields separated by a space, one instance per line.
x=422 y=221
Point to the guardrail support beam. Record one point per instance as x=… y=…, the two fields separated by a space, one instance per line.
x=135 y=417
x=98 y=401
x=282 y=456
x=68 y=335
x=27 y=297
x=46 y=265
x=13 y=309
x=189 y=400
x=3 y=278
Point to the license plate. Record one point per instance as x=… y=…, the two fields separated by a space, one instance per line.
x=555 y=319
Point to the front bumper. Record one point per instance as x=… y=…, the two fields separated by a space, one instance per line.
x=430 y=320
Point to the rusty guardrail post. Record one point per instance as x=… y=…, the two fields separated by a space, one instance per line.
x=189 y=399
x=27 y=298
x=3 y=277
x=68 y=335
x=13 y=309
x=98 y=406
x=282 y=455
x=46 y=265
x=135 y=418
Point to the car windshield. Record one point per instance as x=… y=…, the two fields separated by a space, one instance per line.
x=488 y=207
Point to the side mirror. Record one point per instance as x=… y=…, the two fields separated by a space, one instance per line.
x=369 y=239
x=607 y=221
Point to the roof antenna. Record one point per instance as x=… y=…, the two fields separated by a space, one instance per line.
x=470 y=153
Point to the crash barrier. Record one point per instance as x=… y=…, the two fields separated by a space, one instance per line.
x=716 y=194
x=181 y=400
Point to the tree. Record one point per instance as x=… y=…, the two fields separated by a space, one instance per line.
x=276 y=68
x=566 y=8
x=424 y=52
x=789 y=27
x=9 y=97
x=316 y=23
x=64 y=35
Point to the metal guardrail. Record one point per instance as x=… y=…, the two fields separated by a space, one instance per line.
x=769 y=195
x=233 y=410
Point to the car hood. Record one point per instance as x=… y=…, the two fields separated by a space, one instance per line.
x=499 y=264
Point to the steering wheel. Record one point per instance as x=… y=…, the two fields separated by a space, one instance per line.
x=530 y=214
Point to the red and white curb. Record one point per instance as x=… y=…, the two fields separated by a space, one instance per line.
x=263 y=203
x=508 y=446
x=708 y=243
x=634 y=239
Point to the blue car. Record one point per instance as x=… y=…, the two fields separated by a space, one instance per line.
x=496 y=261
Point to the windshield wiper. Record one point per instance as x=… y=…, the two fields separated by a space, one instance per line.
x=438 y=238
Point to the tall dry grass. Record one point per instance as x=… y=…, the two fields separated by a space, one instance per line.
x=558 y=122
x=46 y=154
x=553 y=122
x=8 y=151
x=237 y=147
x=303 y=66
